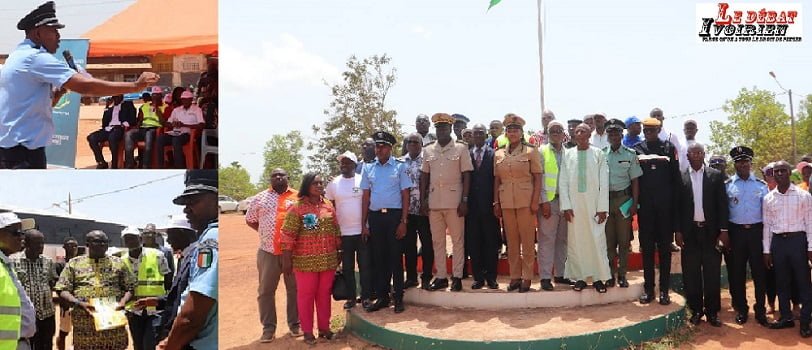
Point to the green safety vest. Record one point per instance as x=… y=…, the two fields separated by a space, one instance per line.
x=150 y=280
x=550 y=171
x=10 y=311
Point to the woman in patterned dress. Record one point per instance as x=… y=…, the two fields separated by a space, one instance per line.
x=95 y=275
x=310 y=242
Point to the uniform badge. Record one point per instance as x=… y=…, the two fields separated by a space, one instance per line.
x=735 y=200
x=653 y=167
x=204 y=258
x=356 y=189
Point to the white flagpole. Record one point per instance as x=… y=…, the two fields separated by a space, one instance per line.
x=541 y=60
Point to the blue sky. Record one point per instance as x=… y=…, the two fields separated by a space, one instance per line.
x=620 y=57
x=78 y=16
x=39 y=190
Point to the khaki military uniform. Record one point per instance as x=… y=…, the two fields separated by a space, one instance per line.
x=445 y=166
x=515 y=171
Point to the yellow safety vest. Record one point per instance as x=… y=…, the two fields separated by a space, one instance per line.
x=151 y=118
x=150 y=280
x=550 y=171
x=10 y=311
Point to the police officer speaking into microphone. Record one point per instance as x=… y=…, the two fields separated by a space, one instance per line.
x=33 y=80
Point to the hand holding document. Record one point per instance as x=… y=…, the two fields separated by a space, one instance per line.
x=106 y=315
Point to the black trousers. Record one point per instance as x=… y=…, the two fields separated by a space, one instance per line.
x=701 y=270
x=43 y=339
x=746 y=250
x=483 y=239
x=790 y=262
x=386 y=253
x=656 y=233
x=418 y=227
x=19 y=157
x=771 y=292
x=356 y=250
x=113 y=137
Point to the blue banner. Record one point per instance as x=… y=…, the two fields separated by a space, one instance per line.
x=62 y=150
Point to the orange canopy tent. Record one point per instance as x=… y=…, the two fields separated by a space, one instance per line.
x=151 y=27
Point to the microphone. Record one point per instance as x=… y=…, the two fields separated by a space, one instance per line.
x=69 y=59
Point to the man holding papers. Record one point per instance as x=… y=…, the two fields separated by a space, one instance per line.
x=624 y=169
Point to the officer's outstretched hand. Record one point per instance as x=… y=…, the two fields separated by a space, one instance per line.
x=144 y=302
x=568 y=215
x=768 y=260
x=147 y=79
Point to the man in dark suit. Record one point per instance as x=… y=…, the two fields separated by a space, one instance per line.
x=481 y=227
x=702 y=222
x=114 y=120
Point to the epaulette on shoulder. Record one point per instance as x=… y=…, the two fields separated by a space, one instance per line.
x=528 y=144
x=761 y=180
x=429 y=144
x=399 y=160
x=729 y=179
x=462 y=142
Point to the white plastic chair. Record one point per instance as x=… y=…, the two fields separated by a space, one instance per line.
x=205 y=147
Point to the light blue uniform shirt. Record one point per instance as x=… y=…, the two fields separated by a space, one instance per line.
x=26 y=83
x=28 y=316
x=384 y=182
x=203 y=280
x=744 y=198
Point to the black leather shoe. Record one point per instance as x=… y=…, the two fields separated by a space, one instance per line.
x=514 y=285
x=399 y=306
x=674 y=248
x=781 y=324
x=546 y=285
x=456 y=284
x=599 y=287
x=492 y=284
x=805 y=331
x=425 y=284
x=741 y=317
x=409 y=284
x=695 y=319
x=562 y=280
x=101 y=165
x=665 y=299
x=714 y=321
x=622 y=282
x=349 y=304
x=379 y=304
x=762 y=320
x=525 y=286
x=646 y=298
x=439 y=283
x=477 y=285
x=610 y=283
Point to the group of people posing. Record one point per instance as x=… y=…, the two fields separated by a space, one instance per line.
x=563 y=200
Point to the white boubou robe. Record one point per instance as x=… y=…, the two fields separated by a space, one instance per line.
x=584 y=188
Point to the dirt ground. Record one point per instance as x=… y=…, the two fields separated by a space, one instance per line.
x=240 y=328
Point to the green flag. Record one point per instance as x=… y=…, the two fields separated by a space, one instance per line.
x=493 y=3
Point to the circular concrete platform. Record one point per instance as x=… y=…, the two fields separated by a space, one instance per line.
x=501 y=299
x=610 y=326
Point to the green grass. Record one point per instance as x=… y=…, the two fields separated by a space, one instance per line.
x=674 y=339
x=337 y=323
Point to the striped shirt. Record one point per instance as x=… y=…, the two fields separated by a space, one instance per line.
x=268 y=210
x=311 y=233
x=787 y=212
x=37 y=276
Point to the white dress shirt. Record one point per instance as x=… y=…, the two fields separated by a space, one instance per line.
x=114 y=120
x=191 y=116
x=664 y=135
x=696 y=186
x=787 y=212
x=598 y=140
